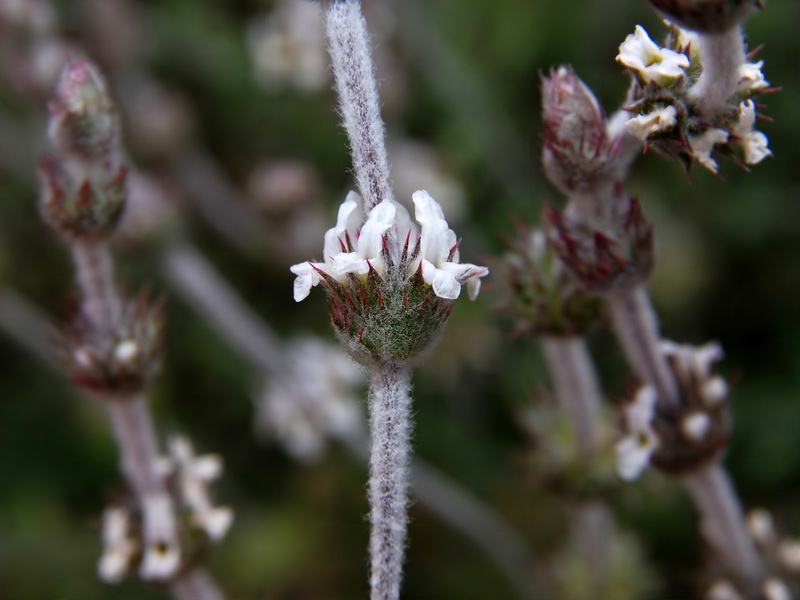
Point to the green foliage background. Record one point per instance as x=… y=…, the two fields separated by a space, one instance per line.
x=728 y=270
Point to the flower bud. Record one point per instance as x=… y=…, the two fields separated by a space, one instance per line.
x=577 y=150
x=707 y=16
x=83 y=121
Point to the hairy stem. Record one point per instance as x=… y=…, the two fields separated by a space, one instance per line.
x=358 y=95
x=195 y=585
x=722 y=55
x=576 y=386
x=390 y=429
x=723 y=521
x=636 y=327
x=95 y=274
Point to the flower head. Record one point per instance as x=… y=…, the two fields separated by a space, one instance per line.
x=650 y=61
x=381 y=304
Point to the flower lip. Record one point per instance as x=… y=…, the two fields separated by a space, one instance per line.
x=650 y=61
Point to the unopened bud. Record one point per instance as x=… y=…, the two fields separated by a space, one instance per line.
x=707 y=16
x=83 y=120
x=577 y=150
x=695 y=426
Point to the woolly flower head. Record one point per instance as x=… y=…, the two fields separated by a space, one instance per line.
x=384 y=305
x=650 y=61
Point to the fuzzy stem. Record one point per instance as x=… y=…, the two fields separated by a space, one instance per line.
x=139 y=455
x=95 y=274
x=723 y=521
x=636 y=326
x=195 y=585
x=576 y=386
x=358 y=95
x=722 y=55
x=390 y=429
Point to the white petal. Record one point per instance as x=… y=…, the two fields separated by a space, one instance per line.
x=307 y=277
x=381 y=218
x=348 y=219
x=639 y=413
x=351 y=262
x=216 y=522
x=437 y=237
x=644 y=126
x=445 y=285
x=633 y=455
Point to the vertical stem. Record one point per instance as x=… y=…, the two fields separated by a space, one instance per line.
x=195 y=585
x=358 y=95
x=390 y=428
x=636 y=326
x=95 y=273
x=722 y=56
x=723 y=521
x=576 y=386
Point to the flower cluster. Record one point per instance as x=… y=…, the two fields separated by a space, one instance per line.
x=313 y=400
x=386 y=304
x=151 y=537
x=617 y=254
x=677 y=439
x=664 y=102
x=125 y=363
x=542 y=293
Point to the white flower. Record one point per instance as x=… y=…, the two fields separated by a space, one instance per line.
x=634 y=450
x=649 y=60
x=761 y=526
x=775 y=589
x=692 y=362
x=314 y=399
x=118 y=545
x=703 y=144
x=753 y=143
x=752 y=80
x=439 y=252
x=350 y=251
x=695 y=426
x=723 y=590
x=644 y=126
x=162 y=555
x=287 y=47
x=195 y=473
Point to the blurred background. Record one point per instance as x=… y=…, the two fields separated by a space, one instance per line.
x=230 y=122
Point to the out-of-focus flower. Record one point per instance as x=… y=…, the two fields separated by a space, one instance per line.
x=287 y=47
x=194 y=474
x=119 y=546
x=162 y=553
x=315 y=399
x=650 y=61
x=754 y=144
x=776 y=589
x=723 y=590
x=761 y=527
x=636 y=448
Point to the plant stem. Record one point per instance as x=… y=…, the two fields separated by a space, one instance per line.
x=576 y=386
x=636 y=327
x=358 y=95
x=195 y=585
x=95 y=274
x=722 y=55
x=723 y=521
x=390 y=428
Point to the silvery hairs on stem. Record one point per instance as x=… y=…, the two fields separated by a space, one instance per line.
x=391 y=285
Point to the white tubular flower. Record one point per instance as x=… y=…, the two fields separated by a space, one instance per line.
x=439 y=252
x=634 y=450
x=195 y=473
x=643 y=126
x=162 y=555
x=703 y=144
x=348 y=250
x=753 y=143
x=752 y=79
x=118 y=545
x=650 y=61
x=315 y=399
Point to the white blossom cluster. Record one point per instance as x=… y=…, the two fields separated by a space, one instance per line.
x=350 y=250
x=657 y=65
